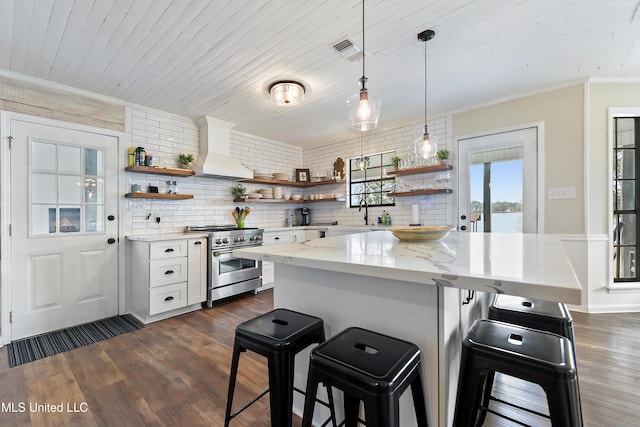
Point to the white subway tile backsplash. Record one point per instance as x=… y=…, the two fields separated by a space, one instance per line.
x=165 y=136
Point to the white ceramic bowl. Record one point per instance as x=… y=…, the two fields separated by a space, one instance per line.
x=296 y=197
x=281 y=176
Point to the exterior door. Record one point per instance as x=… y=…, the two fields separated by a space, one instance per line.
x=498 y=182
x=64 y=227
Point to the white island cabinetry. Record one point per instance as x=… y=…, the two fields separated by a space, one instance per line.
x=275 y=237
x=166 y=277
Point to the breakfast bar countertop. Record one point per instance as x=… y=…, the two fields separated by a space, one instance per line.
x=529 y=265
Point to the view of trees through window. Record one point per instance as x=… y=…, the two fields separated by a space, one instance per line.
x=368 y=180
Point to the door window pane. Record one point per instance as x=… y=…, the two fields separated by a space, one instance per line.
x=43 y=157
x=44 y=188
x=70 y=159
x=44 y=219
x=70 y=189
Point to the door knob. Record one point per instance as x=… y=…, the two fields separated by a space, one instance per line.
x=464 y=227
x=463 y=217
x=111 y=217
x=111 y=240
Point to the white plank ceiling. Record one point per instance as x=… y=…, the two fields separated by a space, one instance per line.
x=218 y=57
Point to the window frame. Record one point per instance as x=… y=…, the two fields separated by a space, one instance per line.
x=381 y=178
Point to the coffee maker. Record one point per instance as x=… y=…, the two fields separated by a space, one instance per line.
x=303 y=216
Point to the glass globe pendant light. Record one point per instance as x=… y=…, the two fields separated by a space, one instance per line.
x=364 y=106
x=426 y=146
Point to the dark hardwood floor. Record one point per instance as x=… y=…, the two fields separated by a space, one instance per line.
x=174 y=373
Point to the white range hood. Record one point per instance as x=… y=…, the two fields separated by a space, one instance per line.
x=215 y=151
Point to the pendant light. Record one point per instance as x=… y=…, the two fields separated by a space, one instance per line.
x=426 y=146
x=364 y=106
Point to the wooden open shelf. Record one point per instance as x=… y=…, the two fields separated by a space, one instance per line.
x=237 y=200
x=160 y=171
x=422 y=169
x=422 y=192
x=158 y=196
x=292 y=183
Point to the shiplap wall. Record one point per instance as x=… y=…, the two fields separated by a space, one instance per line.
x=165 y=136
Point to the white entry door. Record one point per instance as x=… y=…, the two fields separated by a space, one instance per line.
x=64 y=227
x=498 y=182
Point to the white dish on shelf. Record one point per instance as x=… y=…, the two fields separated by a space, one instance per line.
x=296 y=197
x=281 y=176
x=254 y=196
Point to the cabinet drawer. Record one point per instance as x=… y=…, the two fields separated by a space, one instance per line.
x=275 y=238
x=167 y=271
x=169 y=297
x=167 y=249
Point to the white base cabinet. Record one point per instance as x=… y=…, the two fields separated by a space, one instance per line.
x=166 y=277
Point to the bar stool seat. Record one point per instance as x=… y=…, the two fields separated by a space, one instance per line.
x=369 y=367
x=278 y=335
x=547 y=316
x=540 y=357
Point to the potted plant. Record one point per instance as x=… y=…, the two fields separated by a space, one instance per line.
x=238 y=191
x=443 y=155
x=395 y=160
x=185 y=160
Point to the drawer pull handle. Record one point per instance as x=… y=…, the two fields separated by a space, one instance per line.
x=169 y=272
x=168 y=250
x=168 y=299
x=197 y=242
x=277 y=238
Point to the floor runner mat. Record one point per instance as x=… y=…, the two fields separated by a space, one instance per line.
x=38 y=347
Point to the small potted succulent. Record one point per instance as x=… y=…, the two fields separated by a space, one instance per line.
x=443 y=155
x=185 y=160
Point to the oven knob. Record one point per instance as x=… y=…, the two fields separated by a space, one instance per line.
x=242 y=239
x=218 y=241
x=258 y=237
x=251 y=239
x=225 y=240
x=236 y=240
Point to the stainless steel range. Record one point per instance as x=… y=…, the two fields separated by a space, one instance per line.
x=230 y=275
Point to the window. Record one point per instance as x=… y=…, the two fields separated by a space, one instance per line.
x=626 y=152
x=67 y=186
x=369 y=181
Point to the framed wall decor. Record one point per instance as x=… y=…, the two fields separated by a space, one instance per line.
x=302 y=175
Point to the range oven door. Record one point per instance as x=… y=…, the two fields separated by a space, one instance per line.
x=227 y=269
x=231 y=275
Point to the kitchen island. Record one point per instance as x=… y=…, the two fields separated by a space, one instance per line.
x=421 y=292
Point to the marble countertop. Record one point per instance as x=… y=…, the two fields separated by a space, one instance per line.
x=530 y=265
x=167 y=236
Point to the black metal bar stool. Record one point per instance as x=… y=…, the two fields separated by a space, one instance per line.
x=369 y=367
x=540 y=357
x=542 y=315
x=536 y=314
x=278 y=335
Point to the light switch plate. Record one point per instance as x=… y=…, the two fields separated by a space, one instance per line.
x=559 y=193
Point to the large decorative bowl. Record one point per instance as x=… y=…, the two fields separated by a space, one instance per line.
x=424 y=233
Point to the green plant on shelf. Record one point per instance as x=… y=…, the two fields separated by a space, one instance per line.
x=185 y=159
x=443 y=154
x=395 y=160
x=238 y=191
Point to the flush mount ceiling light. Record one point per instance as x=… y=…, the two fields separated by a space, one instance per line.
x=287 y=92
x=426 y=146
x=364 y=106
